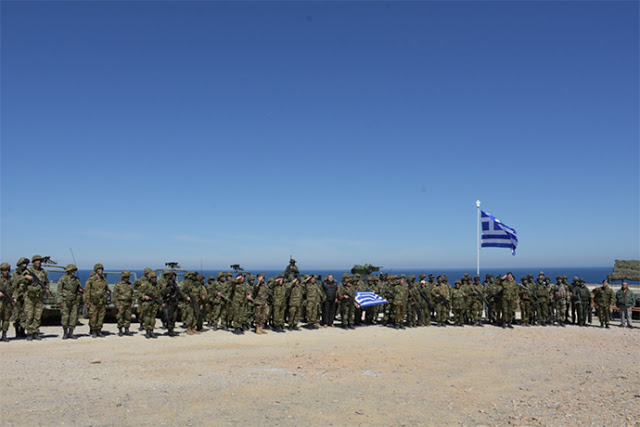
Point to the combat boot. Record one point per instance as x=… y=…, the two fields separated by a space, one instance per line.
x=147 y=335
x=189 y=331
x=262 y=331
x=120 y=333
x=29 y=337
x=127 y=333
x=152 y=334
x=94 y=333
x=65 y=335
x=4 y=336
x=99 y=333
x=70 y=335
x=36 y=336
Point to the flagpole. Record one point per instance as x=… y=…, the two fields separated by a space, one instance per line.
x=478 y=237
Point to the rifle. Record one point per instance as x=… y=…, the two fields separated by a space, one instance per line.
x=425 y=297
x=175 y=292
x=529 y=291
x=443 y=299
x=195 y=304
x=479 y=295
x=162 y=305
x=36 y=280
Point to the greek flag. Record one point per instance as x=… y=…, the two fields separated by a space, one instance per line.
x=369 y=298
x=497 y=235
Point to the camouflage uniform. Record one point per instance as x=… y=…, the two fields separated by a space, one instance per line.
x=136 y=290
x=476 y=302
x=441 y=300
x=6 y=301
x=261 y=301
x=400 y=301
x=315 y=297
x=559 y=294
x=149 y=297
x=541 y=291
x=34 y=297
x=68 y=289
x=95 y=295
x=19 y=318
x=526 y=304
x=457 y=304
x=347 y=298
x=193 y=293
x=279 y=292
x=123 y=300
x=238 y=296
x=295 y=293
x=215 y=294
x=604 y=297
x=171 y=296
x=509 y=300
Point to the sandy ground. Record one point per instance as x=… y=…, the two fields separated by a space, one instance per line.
x=369 y=376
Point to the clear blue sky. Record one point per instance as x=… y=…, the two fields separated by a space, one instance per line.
x=337 y=132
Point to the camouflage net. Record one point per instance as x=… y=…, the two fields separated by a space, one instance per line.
x=625 y=270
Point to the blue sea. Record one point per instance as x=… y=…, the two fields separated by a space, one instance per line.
x=591 y=275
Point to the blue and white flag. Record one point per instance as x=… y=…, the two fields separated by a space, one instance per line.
x=497 y=235
x=369 y=298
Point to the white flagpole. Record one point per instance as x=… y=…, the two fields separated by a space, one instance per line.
x=478 y=236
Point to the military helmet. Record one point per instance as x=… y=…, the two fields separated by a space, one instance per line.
x=423 y=276
x=5 y=266
x=411 y=277
x=476 y=277
x=98 y=266
x=69 y=268
x=211 y=278
x=36 y=258
x=457 y=282
x=431 y=276
x=22 y=261
x=166 y=272
x=219 y=275
x=146 y=271
x=292 y=261
x=153 y=274
x=200 y=277
x=125 y=273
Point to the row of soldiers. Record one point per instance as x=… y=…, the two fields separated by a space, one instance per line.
x=238 y=300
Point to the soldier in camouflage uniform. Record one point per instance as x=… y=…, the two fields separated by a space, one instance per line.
x=239 y=297
x=495 y=300
x=96 y=292
x=358 y=286
x=19 y=317
x=149 y=297
x=441 y=300
x=136 y=288
x=295 y=293
x=315 y=297
x=465 y=287
x=69 y=287
x=123 y=300
x=509 y=300
x=279 y=292
x=171 y=296
x=260 y=298
x=6 y=299
x=347 y=299
x=216 y=294
x=526 y=302
x=457 y=304
x=541 y=291
x=413 y=307
x=559 y=294
x=424 y=293
x=195 y=295
x=35 y=283
x=476 y=303
x=582 y=301
x=604 y=297
x=400 y=301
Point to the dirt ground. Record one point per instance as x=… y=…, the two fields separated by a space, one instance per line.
x=369 y=376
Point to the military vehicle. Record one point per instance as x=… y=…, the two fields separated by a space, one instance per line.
x=365 y=270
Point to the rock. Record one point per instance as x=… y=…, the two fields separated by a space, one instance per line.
x=94 y=361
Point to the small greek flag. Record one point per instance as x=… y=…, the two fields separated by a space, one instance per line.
x=497 y=235
x=369 y=298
